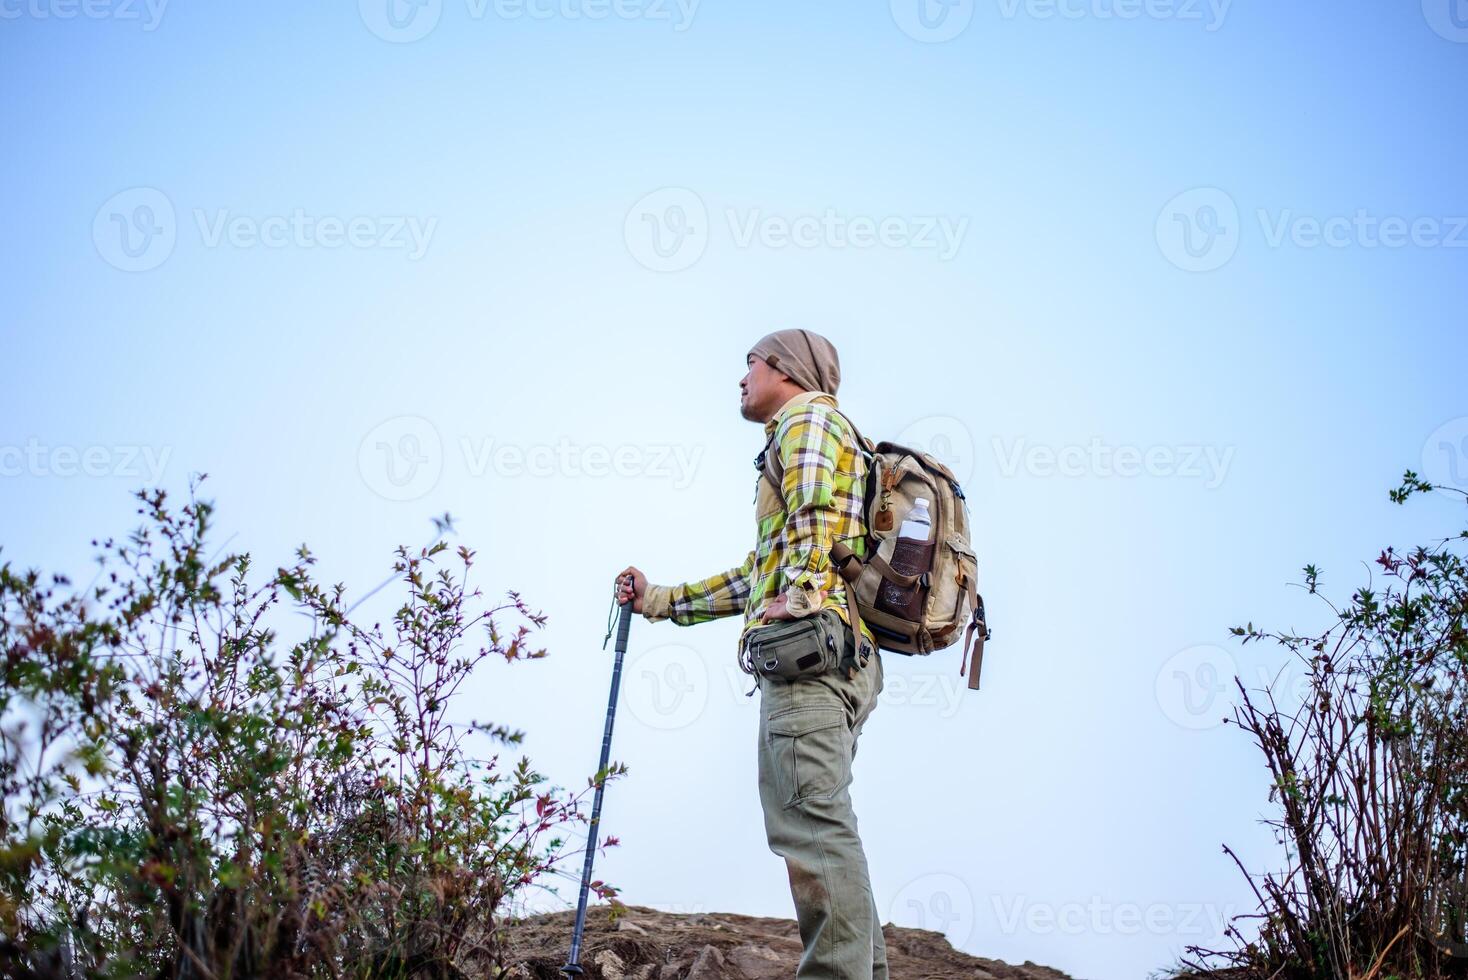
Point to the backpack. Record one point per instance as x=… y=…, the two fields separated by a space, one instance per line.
x=924 y=609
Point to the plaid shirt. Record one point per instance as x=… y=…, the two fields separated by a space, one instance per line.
x=824 y=479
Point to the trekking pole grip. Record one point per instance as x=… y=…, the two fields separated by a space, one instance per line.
x=624 y=625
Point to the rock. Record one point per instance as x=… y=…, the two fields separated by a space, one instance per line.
x=709 y=965
x=759 y=963
x=610 y=964
x=627 y=925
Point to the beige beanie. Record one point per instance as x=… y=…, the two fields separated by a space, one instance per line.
x=804 y=356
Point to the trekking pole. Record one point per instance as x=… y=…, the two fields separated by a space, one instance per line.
x=573 y=967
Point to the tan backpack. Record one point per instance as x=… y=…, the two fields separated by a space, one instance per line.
x=919 y=599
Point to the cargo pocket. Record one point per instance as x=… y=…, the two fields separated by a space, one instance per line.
x=810 y=748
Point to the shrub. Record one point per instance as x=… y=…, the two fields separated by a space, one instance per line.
x=188 y=796
x=1369 y=781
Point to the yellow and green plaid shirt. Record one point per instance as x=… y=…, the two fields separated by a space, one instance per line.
x=825 y=475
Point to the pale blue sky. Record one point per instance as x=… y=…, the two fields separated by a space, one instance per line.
x=527 y=252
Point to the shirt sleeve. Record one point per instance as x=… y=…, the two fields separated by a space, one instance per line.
x=810 y=446
x=724 y=594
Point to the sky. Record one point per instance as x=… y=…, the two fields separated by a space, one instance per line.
x=1175 y=286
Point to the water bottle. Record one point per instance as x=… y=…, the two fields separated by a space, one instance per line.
x=913 y=555
x=917 y=524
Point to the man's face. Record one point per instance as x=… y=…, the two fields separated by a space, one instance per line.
x=761 y=391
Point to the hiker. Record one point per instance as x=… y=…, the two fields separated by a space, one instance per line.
x=809 y=724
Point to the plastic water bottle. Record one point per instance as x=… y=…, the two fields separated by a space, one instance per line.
x=911 y=556
x=918 y=522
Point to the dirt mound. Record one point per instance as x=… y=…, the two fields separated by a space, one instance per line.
x=645 y=944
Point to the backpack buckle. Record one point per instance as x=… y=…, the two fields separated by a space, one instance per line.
x=981 y=621
x=759 y=461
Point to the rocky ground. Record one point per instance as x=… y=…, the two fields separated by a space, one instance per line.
x=645 y=944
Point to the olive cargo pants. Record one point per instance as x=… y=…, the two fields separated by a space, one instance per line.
x=808 y=731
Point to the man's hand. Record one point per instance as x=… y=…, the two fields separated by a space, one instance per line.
x=779 y=608
x=631 y=584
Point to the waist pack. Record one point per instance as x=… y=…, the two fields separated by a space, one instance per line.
x=915 y=597
x=796 y=648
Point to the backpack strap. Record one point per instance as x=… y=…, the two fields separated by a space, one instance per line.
x=857 y=638
x=978 y=632
x=851 y=566
x=769 y=464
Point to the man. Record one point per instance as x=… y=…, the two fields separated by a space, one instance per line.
x=808 y=726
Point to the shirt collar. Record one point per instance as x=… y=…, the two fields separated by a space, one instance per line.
x=804 y=398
